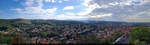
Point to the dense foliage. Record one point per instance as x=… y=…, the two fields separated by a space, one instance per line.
x=140 y=35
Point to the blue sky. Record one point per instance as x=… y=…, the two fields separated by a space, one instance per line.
x=109 y=10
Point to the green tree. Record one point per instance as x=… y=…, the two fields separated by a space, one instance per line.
x=139 y=35
x=6 y=39
x=44 y=34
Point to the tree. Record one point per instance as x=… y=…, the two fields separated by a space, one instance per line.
x=5 y=39
x=44 y=34
x=139 y=35
x=2 y=28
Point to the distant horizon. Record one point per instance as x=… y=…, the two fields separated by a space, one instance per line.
x=75 y=20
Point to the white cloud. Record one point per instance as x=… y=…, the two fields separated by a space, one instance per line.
x=69 y=17
x=66 y=0
x=68 y=8
x=17 y=9
x=37 y=12
x=70 y=13
x=59 y=1
x=47 y=0
x=50 y=16
x=90 y=7
x=101 y=15
x=139 y=17
x=114 y=3
x=132 y=2
x=53 y=1
x=29 y=2
x=93 y=9
x=126 y=2
x=31 y=9
x=119 y=9
x=51 y=10
x=86 y=2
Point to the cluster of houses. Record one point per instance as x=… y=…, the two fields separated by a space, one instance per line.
x=68 y=33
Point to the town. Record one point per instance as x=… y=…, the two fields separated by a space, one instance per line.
x=61 y=32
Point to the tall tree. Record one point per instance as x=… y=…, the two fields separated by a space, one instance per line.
x=139 y=35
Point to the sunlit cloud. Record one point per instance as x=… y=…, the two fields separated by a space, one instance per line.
x=68 y=8
x=118 y=10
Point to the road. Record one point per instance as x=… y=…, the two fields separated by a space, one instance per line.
x=123 y=39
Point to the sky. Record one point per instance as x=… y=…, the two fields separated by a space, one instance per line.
x=99 y=10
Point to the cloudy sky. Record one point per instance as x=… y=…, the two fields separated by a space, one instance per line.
x=107 y=10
